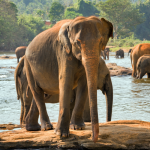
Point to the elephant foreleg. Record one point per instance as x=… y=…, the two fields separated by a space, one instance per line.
x=17 y=59
x=148 y=75
x=66 y=81
x=141 y=74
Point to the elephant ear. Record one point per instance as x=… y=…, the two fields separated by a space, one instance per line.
x=110 y=27
x=63 y=37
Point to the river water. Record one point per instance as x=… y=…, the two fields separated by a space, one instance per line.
x=131 y=96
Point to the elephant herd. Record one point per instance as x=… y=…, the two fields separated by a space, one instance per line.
x=63 y=64
x=105 y=53
x=140 y=60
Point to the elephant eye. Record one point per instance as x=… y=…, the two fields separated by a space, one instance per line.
x=78 y=44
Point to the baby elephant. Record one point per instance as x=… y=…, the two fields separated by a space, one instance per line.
x=23 y=92
x=143 y=66
x=120 y=53
x=20 y=51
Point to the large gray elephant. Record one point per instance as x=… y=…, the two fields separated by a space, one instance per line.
x=120 y=53
x=24 y=93
x=143 y=66
x=20 y=51
x=105 y=53
x=56 y=62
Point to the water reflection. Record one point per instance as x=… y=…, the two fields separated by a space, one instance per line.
x=131 y=96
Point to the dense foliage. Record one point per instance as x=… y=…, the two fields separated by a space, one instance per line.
x=22 y=20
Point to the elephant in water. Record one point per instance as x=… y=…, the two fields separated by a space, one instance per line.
x=105 y=53
x=143 y=66
x=24 y=93
x=20 y=51
x=56 y=61
x=120 y=53
x=138 y=51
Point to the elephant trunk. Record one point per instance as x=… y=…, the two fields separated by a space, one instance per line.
x=109 y=98
x=90 y=64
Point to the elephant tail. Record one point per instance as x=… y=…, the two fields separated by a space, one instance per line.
x=17 y=74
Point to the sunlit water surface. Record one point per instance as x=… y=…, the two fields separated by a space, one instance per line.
x=131 y=96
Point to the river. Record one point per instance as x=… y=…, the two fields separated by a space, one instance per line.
x=131 y=96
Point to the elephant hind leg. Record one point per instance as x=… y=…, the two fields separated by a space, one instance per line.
x=22 y=113
x=77 y=121
x=134 y=61
x=37 y=107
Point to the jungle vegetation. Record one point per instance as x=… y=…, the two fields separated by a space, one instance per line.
x=22 y=20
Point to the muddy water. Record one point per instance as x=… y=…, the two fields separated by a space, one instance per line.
x=131 y=96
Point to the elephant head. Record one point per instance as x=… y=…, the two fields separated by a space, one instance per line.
x=105 y=85
x=85 y=38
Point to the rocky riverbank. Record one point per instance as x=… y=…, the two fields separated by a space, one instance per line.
x=118 y=70
x=122 y=134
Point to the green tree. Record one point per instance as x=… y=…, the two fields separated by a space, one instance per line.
x=27 y=1
x=8 y=25
x=143 y=30
x=30 y=26
x=123 y=14
x=56 y=11
x=86 y=8
x=41 y=14
x=71 y=14
x=81 y=8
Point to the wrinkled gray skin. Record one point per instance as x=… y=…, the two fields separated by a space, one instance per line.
x=20 y=52
x=56 y=62
x=105 y=53
x=120 y=53
x=143 y=66
x=25 y=95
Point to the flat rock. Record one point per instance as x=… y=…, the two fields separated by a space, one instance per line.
x=7 y=57
x=122 y=134
x=118 y=70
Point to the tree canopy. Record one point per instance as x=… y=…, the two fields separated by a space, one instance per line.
x=22 y=20
x=56 y=11
x=123 y=14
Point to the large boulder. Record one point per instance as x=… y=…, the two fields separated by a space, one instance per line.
x=118 y=70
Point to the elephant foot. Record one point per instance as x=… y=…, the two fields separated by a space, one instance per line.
x=30 y=127
x=46 y=126
x=77 y=127
x=62 y=132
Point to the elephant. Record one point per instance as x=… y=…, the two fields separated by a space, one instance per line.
x=143 y=66
x=105 y=53
x=24 y=93
x=20 y=51
x=120 y=53
x=138 y=51
x=56 y=62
